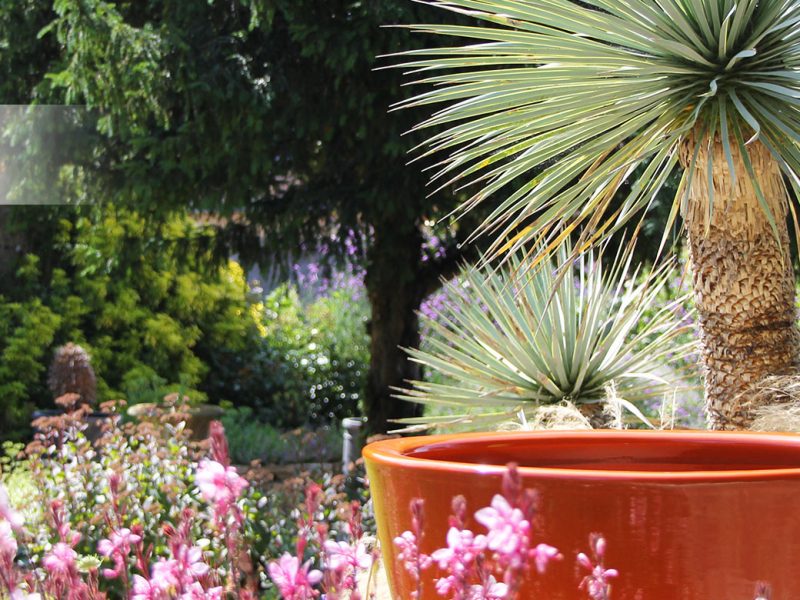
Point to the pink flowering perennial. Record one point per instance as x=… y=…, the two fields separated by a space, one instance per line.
x=118 y=547
x=219 y=485
x=8 y=514
x=509 y=530
x=470 y=562
x=294 y=581
x=598 y=582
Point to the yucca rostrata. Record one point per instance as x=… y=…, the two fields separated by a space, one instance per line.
x=583 y=97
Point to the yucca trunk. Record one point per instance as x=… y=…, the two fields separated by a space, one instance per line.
x=743 y=281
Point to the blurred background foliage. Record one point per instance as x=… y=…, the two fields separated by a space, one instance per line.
x=226 y=139
x=268 y=113
x=158 y=313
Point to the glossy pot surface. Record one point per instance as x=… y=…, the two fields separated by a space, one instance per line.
x=686 y=515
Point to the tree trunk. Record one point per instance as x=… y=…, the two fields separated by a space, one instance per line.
x=744 y=283
x=395 y=294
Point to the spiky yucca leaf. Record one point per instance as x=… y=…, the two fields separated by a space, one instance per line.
x=583 y=94
x=523 y=337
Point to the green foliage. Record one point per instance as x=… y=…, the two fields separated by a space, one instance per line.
x=217 y=105
x=114 y=64
x=319 y=352
x=144 y=298
x=23 y=56
x=530 y=334
x=576 y=96
x=27 y=332
x=16 y=477
x=249 y=440
x=214 y=104
x=158 y=314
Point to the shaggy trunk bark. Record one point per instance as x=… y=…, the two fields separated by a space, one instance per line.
x=395 y=293
x=744 y=284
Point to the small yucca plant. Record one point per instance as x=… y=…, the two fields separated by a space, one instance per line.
x=524 y=336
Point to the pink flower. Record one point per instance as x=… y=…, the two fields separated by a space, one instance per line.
x=196 y=592
x=343 y=556
x=763 y=591
x=219 y=443
x=446 y=585
x=165 y=575
x=8 y=545
x=344 y=561
x=462 y=548
x=294 y=582
x=60 y=561
x=119 y=542
x=543 y=554
x=143 y=589
x=190 y=564
x=596 y=583
x=409 y=553
x=9 y=514
x=314 y=497
x=508 y=529
x=414 y=561
x=219 y=485
x=117 y=547
x=457 y=560
x=491 y=590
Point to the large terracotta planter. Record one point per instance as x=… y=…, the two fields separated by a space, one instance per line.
x=687 y=515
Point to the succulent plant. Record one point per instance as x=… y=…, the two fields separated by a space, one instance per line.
x=532 y=335
x=71 y=373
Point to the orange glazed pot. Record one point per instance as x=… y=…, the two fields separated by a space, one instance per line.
x=687 y=515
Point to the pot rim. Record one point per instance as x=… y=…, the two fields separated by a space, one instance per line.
x=394 y=453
